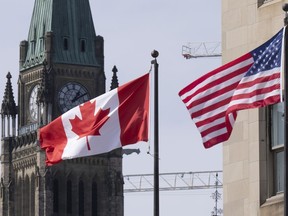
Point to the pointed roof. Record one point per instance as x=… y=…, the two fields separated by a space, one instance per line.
x=114 y=83
x=71 y=24
x=8 y=104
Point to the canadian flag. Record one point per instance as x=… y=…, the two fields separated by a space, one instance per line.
x=110 y=121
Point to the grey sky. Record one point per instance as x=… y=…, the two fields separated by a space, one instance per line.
x=131 y=30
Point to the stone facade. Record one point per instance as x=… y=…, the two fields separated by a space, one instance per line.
x=246 y=167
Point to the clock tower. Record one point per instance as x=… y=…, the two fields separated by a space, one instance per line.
x=61 y=66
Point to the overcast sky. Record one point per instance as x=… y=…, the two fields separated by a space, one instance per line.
x=131 y=30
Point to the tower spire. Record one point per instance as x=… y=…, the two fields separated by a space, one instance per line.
x=114 y=83
x=61 y=32
x=8 y=104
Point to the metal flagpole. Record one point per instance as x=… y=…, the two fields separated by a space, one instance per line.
x=285 y=8
x=155 y=54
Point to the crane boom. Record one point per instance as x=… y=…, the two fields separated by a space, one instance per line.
x=202 y=49
x=173 y=181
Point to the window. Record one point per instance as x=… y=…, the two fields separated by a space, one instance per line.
x=82 y=45
x=42 y=38
x=26 y=201
x=277 y=146
x=65 y=43
x=33 y=42
x=32 y=204
x=19 y=196
x=69 y=197
x=94 y=199
x=81 y=198
x=55 y=196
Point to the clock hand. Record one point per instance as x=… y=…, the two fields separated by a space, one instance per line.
x=78 y=96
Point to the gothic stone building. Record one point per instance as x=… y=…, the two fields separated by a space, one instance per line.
x=61 y=66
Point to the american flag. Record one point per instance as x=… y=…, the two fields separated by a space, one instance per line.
x=250 y=81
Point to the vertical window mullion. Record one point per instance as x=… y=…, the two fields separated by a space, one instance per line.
x=55 y=196
x=81 y=198
x=69 y=197
x=277 y=146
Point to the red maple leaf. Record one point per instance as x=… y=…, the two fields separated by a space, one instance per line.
x=89 y=124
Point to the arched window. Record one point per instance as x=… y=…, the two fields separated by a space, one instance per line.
x=69 y=197
x=26 y=198
x=55 y=196
x=32 y=203
x=81 y=198
x=19 y=194
x=33 y=41
x=94 y=199
x=42 y=38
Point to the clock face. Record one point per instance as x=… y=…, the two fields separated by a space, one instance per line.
x=33 y=107
x=72 y=94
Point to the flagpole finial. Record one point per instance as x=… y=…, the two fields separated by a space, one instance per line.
x=285 y=8
x=154 y=53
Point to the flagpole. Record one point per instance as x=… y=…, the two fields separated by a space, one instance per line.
x=285 y=8
x=155 y=54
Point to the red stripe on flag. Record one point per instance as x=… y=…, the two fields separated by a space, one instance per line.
x=256 y=92
x=214 y=72
x=212 y=95
x=258 y=80
x=134 y=110
x=215 y=140
x=213 y=129
x=211 y=107
x=268 y=101
x=218 y=82
x=53 y=143
x=210 y=119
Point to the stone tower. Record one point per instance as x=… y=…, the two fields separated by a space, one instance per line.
x=61 y=66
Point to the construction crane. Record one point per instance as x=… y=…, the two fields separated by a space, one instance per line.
x=178 y=181
x=201 y=49
x=174 y=181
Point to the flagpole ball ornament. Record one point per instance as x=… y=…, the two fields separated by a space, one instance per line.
x=114 y=69
x=285 y=8
x=154 y=53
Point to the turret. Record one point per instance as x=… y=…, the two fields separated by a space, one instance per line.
x=44 y=100
x=8 y=110
x=8 y=115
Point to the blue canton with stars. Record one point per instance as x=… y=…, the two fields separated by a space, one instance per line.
x=267 y=56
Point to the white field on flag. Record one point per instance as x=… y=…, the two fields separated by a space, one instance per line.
x=250 y=81
x=98 y=144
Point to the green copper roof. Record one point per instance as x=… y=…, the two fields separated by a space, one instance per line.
x=71 y=24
